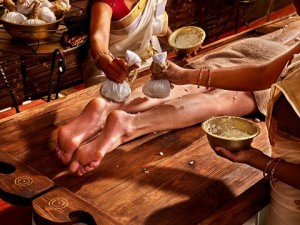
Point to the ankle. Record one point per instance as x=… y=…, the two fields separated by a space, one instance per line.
x=122 y=121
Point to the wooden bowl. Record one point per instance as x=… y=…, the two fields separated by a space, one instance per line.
x=187 y=40
x=30 y=33
x=232 y=133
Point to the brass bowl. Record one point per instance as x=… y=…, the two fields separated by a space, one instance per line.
x=232 y=133
x=30 y=33
x=187 y=40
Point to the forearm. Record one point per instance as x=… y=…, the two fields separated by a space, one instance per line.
x=283 y=171
x=99 y=34
x=244 y=77
x=288 y=173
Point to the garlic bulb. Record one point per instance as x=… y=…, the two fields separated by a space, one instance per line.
x=60 y=7
x=34 y=20
x=117 y=92
x=46 y=3
x=46 y=15
x=158 y=88
x=14 y=17
x=24 y=6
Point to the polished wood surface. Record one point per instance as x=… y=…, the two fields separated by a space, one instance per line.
x=135 y=183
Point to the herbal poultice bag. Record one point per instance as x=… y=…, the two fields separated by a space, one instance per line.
x=158 y=88
x=120 y=92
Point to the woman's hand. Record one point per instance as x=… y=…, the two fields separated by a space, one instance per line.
x=250 y=156
x=115 y=69
x=173 y=73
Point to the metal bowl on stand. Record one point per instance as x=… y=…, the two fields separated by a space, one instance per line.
x=30 y=33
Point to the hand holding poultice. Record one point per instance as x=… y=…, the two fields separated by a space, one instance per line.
x=118 y=89
x=158 y=88
x=117 y=70
x=173 y=74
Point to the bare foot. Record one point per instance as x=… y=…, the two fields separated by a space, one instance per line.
x=82 y=128
x=117 y=130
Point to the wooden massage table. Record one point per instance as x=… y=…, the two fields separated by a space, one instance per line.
x=162 y=178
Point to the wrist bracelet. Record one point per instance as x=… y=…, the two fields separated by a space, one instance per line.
x=274 y=168
x=200 y=77
x=208 y=78
x=266 y=167
x=265 y=172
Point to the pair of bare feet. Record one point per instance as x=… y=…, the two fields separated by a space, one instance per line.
x=104 y=125
x=99 y=129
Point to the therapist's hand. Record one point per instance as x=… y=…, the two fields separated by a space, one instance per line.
x=174 y=74
x=117 y=70
x=248 y=156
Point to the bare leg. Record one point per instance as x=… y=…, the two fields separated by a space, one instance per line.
x=188 y=110
x=93 y=117
x=91 y=120
x=286 y=35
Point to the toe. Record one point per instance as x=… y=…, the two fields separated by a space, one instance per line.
x=74 y=166
x=88 y=168
x=95 y=164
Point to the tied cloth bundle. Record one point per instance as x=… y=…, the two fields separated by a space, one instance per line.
x=160 y=88
x=120 y=92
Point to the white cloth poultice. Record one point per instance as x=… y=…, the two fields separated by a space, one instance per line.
x=158 y=88
x=132 y=58
x=119 y=92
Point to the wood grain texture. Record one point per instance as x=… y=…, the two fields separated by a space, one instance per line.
x=121 y=187
x=62 y=206
x=134 y=183
x=19 y=183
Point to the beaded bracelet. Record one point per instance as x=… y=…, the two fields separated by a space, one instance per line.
x=100 y=54
x=200 y=77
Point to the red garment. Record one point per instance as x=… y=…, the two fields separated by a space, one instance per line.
x=119 y=8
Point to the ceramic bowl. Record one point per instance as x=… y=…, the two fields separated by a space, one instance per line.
x=232 y=133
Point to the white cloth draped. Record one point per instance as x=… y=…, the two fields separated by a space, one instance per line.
x=135 y=31
x=285 y=199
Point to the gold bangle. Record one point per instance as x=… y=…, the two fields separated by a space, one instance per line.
x=100 y=54
x=200 y=77
x=265 y=173
x=208 y=78
x=273 y=170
